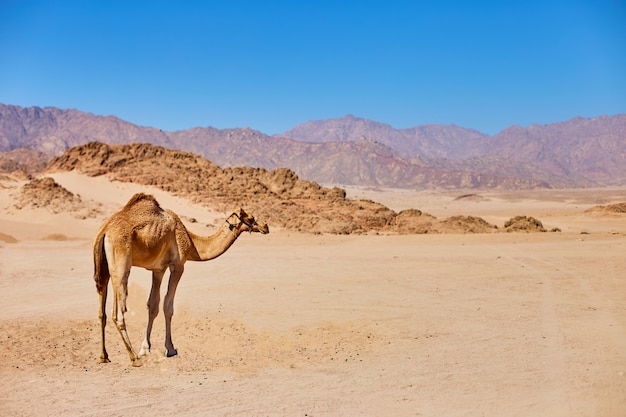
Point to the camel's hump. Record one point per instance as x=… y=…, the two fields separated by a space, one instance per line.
x=141 y=197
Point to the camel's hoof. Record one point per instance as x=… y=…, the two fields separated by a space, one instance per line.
x=171 y=353
x=136 y=363
x=104 y=360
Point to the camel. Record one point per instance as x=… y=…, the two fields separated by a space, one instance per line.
x=143 y=234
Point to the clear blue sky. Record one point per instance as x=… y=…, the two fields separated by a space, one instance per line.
x=270 y=65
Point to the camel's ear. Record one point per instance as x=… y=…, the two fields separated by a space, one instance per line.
x=242 y=212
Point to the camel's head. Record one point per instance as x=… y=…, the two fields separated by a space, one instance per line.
x=247 y=223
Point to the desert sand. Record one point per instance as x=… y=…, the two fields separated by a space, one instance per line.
x=296 y=324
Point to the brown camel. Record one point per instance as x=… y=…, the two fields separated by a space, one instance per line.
x=145 y=235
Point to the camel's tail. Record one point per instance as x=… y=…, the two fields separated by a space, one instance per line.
x=100 y=266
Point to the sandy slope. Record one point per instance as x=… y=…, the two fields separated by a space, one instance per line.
x=304 y=325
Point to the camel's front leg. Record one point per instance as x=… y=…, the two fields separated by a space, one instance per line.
x=153 y=309
x=168 y=308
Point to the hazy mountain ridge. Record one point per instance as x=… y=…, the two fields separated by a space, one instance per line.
x=580 y=152
x=52 y=131
x=427 y=141
x=577 y=153
x=591 y=149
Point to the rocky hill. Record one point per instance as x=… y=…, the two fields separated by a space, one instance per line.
x=350 y=150
x=26 y=160
x=277 y=196
x=46 y=193
x=618 y=208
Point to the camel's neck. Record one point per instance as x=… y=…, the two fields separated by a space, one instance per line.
x=210 y=247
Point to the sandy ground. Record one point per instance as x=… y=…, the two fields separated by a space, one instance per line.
x=309 y=325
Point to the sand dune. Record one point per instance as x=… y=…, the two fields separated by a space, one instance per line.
x=323 y=325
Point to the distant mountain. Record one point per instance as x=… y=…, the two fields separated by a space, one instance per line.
x=577 y=153
x=350 y=150
x=583 y=150
x=362 y=161
x=52 y=131
x=428 y=141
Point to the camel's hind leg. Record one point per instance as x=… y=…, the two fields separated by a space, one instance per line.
x=104 y=356
x=119 y=308
x=119 y=261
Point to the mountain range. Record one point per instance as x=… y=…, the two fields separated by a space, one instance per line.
x=580 y=152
